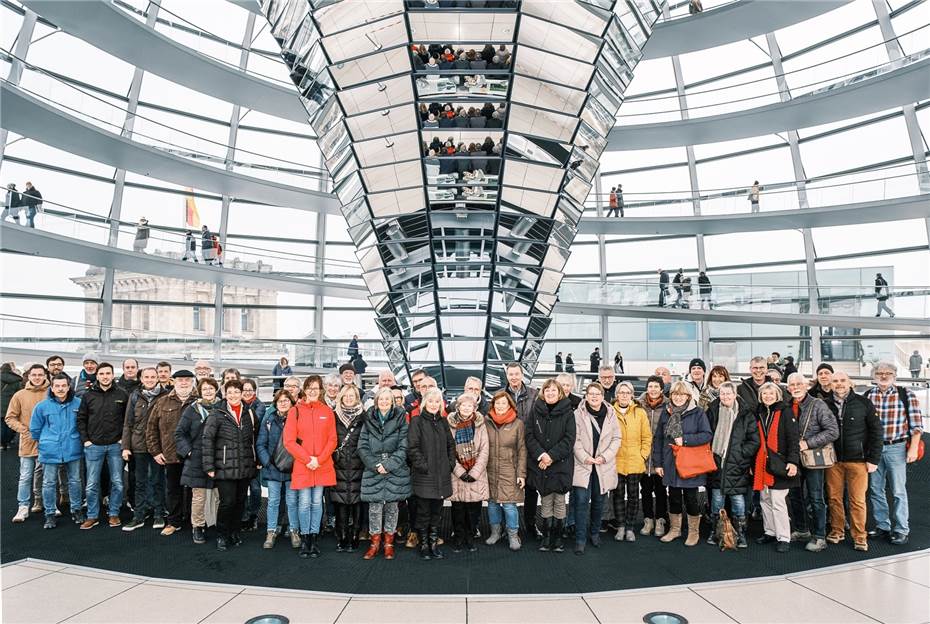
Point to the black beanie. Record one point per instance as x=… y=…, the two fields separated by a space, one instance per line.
x=824 y=365
x=697 y=362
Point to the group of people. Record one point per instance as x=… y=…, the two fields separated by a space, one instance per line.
x=683 y=290
x=437 y=57
x=465 y=160
x=15 y=202
x=210 y=246
x=386 y=460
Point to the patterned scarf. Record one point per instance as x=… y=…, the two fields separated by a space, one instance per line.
x=348 y=414
x=673 y=426
x=466 y=453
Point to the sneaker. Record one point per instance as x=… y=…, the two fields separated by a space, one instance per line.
x=199 y=535
x=37 y=508
x=77 y=517
x=800 y=536
x=158 y=522
x=835 y=539
x=169 y=530
x=114 y=521
x=630 y=535
x=765 y=538
x=89 y=524
x=58 y=513
x=817 y=544
x=861 y=546
x=782 y=547
x=50 y=522
x=620 y=534
x=21 y=514
x=660 y=527
x=133 y=524
x=295 y=539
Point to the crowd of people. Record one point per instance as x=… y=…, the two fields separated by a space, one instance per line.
x=437 y=57
x=684 y=292
x=378 y=465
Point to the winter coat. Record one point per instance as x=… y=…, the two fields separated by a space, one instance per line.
x=861 y=436
x=384 y=444
x=349 y=466
x=465 y=492
x=54 y=426
x=314 y=425
x=695 y=431
x=19 y=415
x=748 y=393
x=10 y=384
x=228 y=446
x=129 y=385
x=818 y=392
x=733 y=474
x=607 y=446
x=431 y=454
x=788 y=442
x=525 y=402
x=816 y=423
x=188 y=440
x=164 y=417
x=654 y=415
x=506 y=460
x=551 y=431
x=635 y=439
x=914 y=362
x=100 y=419
x=136 y=419
x=270 y=432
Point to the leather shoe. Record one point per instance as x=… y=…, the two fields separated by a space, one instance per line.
x=898 y=539
x=765 y=539
x=877 y=532
x=782 y=547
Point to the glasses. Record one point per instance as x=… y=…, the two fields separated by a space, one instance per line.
x=884 y=374
x=291 y=385
x=757 y=368
x=625 y=392
x=595 y=394
x=312 y=389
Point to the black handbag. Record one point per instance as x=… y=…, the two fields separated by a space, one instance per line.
x=775 y=464
x=281 y=458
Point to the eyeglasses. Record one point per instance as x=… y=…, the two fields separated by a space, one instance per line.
x=884 y=374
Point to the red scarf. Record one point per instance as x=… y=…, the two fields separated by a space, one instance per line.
x=237 y=412
x=500 y=420
x=761 y=478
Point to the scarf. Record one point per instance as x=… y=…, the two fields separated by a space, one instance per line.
x=598 y=414
x=673 y=427
x=653 y=403
x=151 y=394
x=347 y=415
x=508 y=417
x=761 y=478
x=725 y=419
x=466 y=453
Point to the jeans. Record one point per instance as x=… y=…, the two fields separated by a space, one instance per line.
x=94 y=456
x=893 y=468
x=150 y=487
x=50 y=487
x=583 y=497
x=31 y=217
x=310 y=509
x=504 y=511
x=24 y=492
x=718 y=502
x=254 y=502
x=809 y=495
x=570 y=511
x=274 y=504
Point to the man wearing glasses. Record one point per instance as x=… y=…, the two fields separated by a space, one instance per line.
x=748 y=391
x=899 y=412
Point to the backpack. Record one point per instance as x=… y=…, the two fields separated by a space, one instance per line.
x=726 y=536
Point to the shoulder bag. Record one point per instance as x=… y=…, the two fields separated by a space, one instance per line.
x=693 y=461
x=818 y=458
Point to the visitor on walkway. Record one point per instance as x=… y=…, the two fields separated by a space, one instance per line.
x=753 y=196
x=678 y=285
x=207 y=248
x=12 y=203
x=914 y=363
x=345 y=496
x=635 y=450
x=352 y=351
x=559 y=362
x=142 y=236
x=281 y=370
x=190 y=247
x=569 y=363
x=188 y=438
x=277 y=465
x=882 y=295
x=663 y=287
x=694 y=7
x=18 y=418
x=618 y=364
x=615 y=202
x=469 y=473
x=595 y=359
x=705 y=289
x=506 y=469
x=31 y=200
x=776 y=468
x=149 y=476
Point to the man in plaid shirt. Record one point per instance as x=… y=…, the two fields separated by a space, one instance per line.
x=900 y=424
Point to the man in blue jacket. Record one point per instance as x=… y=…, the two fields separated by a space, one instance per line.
x=54 y=427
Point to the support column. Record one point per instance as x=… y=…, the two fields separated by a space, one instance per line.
x=119 y=184
x=695 y=192
x=810 y=254
x=601 y=258
x=219 y=310
x=320 y=271
x=20 y=50
x=895 y=52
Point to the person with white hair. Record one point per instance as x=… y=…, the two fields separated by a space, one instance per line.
x=899 y=411
x=386 y=379
x=817 y=427
x=469 y=474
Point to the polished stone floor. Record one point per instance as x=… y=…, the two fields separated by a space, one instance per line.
x=889 y=590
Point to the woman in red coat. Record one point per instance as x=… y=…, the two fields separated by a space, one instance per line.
x=310 y=438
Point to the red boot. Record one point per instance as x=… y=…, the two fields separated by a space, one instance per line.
x=375 y=546
x=388 y=545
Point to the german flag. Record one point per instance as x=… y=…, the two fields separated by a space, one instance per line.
x=191 y=216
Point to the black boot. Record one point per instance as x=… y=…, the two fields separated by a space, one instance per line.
x=712 y=537
x=222 y=544
x=314 y=545
x=545 y=543
x=340 y=538
x=235 y=539
x=353 y=540
x=423 y=543
x=434 y=551
x=200 y=535
x=304 y=552
x=741 y=532
x=556 y=544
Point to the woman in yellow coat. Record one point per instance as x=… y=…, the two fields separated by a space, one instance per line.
x=635 y=447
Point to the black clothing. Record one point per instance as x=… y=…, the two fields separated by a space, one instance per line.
x=229 y=448
x=595 y=358
x=748 y=393
x=30 y=198
x=188 y=439
x=569 y=364
x=704 y=286
x=101 y=415
x=789 y=440
x=733 y=476
x=551 y=429
x=431 y=454
x=558 y=364
x=348 y=464
x=861 y=434
x=129 y=385
x=232 y=503
x=818 y=392
x=524 y=401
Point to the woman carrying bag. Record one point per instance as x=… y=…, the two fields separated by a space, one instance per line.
x=683 y=424
x=277 y=465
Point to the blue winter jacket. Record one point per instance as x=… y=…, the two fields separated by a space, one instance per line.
x=54 y=425
x=269 y=432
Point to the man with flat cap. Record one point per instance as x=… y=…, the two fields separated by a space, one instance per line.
x=159 y=437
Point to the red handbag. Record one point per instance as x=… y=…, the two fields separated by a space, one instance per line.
x=693 y=461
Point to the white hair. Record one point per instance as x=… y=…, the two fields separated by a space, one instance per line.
x=884 y=365
x=797 y=377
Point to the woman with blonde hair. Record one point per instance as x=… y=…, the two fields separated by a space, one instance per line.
x=506 y=468
x=346 y=494
x=635 y=449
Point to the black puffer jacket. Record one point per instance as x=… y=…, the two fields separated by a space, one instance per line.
x=431 y=453
x=733 y=477
x=349 y=466
x=101 y=415
x=551 y=429
x=10 y=384
x=861 y=436
x=188 y=439
x=229 y=448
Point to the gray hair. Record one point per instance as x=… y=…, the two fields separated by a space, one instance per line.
x=797 y=377
x=758 y=360
x=727 y=384
x=480 y=385
x=430 y=394
x=625 y=384
x=884 y=365
x=333 y=379
x=381 y=391
x=568 y=377
x=775 y=386
x=605 y=368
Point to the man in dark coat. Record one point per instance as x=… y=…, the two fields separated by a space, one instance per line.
x=31 y=199
x=663 y=287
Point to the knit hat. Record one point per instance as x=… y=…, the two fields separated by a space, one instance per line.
x=89 y=357
x=824 y=365
x=346 y=367
x=697 y=362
